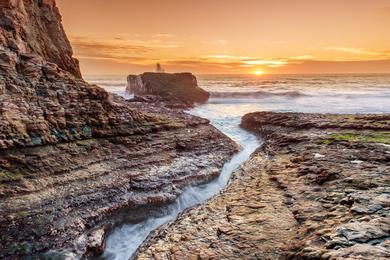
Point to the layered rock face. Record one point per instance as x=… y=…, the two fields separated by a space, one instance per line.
x=74 y=160
x=175 y=88
x=36 y=28
x=317 y=189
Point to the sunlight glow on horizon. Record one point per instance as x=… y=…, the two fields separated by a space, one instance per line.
x=228 y=36
x=259 y=72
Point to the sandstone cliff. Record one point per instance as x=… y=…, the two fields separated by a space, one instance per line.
x=36 y=29
x=72 y=156
x=175 y=88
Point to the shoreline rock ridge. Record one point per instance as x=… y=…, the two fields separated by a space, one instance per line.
x=74 y=160
x=318 y=188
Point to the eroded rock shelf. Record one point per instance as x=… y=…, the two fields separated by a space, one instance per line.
x=75 y=161
x=317 y=189
x=72 y=156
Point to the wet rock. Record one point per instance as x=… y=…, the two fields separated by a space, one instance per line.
x=362 y=232
x=174 y=88
x=96 y=242
x=74 y=158
x=298 y=197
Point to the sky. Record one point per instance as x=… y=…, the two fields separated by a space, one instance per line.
x=229 y=36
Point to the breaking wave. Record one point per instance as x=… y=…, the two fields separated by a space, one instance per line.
x=257 y=94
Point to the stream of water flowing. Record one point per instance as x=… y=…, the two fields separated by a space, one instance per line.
x=124 y=240
x=232 y=96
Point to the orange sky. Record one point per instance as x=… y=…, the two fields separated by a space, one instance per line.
x=229 y=36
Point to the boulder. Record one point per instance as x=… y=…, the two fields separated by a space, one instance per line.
x=175 y=88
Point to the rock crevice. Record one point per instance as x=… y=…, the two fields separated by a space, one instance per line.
x=316 y=189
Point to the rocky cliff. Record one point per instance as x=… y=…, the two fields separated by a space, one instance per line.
x=174 y=88
x=74 y=160
x=318 y=188
x=28 y=28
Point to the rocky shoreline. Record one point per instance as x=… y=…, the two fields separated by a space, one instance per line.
x=69 y=192
x=74 y=160
x=317 y=189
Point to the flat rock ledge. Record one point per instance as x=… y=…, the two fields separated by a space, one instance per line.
x=317 y=189
x=65 y=198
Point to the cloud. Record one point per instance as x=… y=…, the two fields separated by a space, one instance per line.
x=119 y=49
x=129 y=59
x=224 y=57
x=245 y=61
x=216 y=42
x=103 y=46
x=317 y=67
x=358 y=51
x=230 y=62
x=203 y=66
x=222 y=42
x=163 y=35
x=271 y=63
x=302 y=57
x=144 y=53
x=201 y=62
x=163 y=46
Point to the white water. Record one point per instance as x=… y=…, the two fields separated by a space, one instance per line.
x=124 y=240
x=235 y=96
x=296 y=93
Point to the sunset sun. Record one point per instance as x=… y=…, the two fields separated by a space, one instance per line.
x=258 y=72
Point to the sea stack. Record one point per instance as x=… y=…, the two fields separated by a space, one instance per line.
x=174 y=88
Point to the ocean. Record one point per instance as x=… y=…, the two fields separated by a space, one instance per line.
x=351 y=93
x=232 y=96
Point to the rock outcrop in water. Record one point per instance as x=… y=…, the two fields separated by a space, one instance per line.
x=74 y=160
x=174 y=88
x=317 y=189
